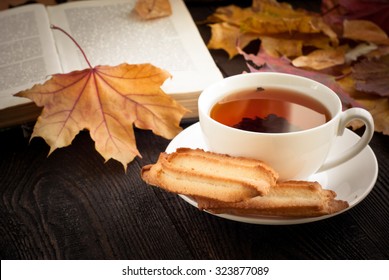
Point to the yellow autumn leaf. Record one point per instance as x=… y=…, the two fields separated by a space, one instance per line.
x=107 y=101
x=228 y=37
x=278 y=47
x=292 y=46
x=272 y=17
x=273 y=24
x=273 y=7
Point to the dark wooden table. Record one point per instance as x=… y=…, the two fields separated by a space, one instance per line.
x=72 y=205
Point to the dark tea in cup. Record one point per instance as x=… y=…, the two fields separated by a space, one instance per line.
x=270 y=110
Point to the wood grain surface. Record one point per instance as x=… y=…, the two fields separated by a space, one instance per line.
x=72 y=205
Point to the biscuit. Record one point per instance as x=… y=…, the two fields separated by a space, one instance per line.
x=286 y=199
x=195 y=172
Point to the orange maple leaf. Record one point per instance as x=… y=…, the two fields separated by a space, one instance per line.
x=107 y=101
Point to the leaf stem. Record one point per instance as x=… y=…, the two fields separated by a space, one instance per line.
x=52 y=26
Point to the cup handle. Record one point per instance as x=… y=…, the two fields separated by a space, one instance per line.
x=345 y=118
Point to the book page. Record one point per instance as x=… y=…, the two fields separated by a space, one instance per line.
x=111 y=33
x=27 y=52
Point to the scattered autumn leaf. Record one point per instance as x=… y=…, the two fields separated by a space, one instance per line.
x=379 y=108
x=363 y=30
x=336 y=11
x=285 y=45
x=264 y=24
x=376 y=105
x=226 y=33
x=227 y=37
x=150 y=9
x=321 y=59
x=272 y=22
x=278 y=47
x=107 y=101
x=372 y=75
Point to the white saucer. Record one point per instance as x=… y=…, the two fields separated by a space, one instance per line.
x=352 y=181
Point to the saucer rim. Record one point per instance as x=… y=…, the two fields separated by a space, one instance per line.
x=261 y=220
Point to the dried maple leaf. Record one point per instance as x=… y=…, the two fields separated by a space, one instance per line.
x=372 y=75
x=150 y=9
x=107 y=101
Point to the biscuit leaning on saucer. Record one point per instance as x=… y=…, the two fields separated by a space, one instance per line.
x=195 y=172
x=287 y=199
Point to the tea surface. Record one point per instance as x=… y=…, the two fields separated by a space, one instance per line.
x=270 y=110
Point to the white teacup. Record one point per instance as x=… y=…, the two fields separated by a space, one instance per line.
x=294 y=155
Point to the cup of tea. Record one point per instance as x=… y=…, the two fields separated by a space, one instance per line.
x=287 y=121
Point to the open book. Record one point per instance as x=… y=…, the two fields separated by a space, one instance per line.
x=110 y=32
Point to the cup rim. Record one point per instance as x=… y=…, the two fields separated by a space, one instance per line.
x=205 y=112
